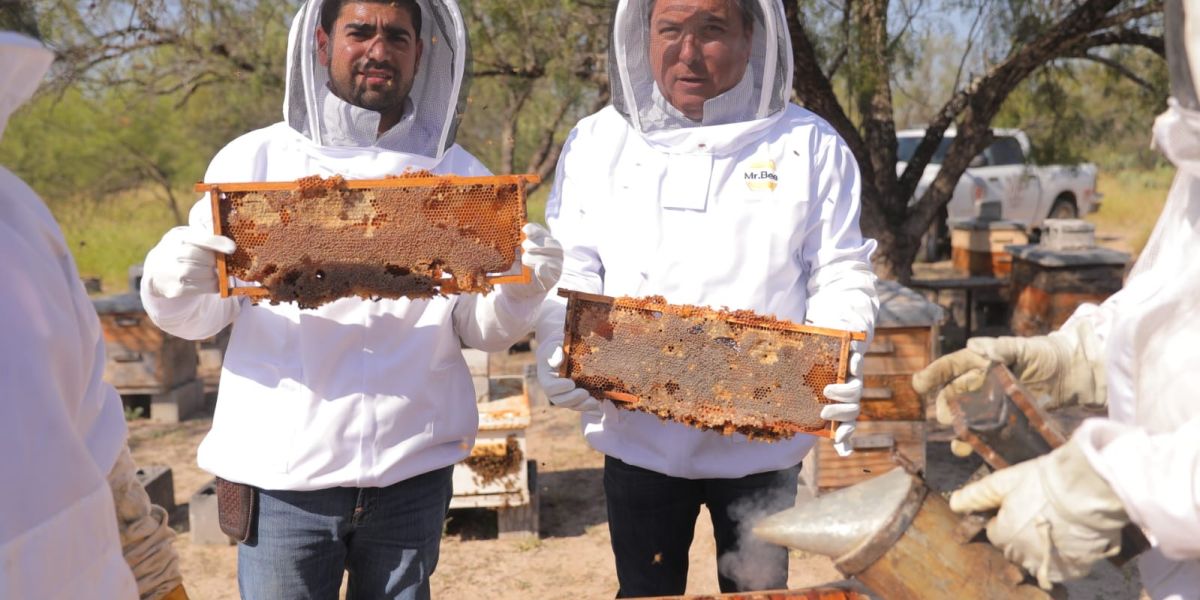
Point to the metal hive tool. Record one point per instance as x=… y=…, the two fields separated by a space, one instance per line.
x=729 y=371
x=314 y=240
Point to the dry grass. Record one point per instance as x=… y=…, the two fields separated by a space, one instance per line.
x=1132 y=201
x=109 y=235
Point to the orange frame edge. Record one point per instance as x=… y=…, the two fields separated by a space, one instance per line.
x=214 y=192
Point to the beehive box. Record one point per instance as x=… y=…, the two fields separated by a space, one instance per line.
x=498 y=474
x=1048 y=285
x=315 y=240
x=142 y=359
x=977 y=246
x=210 y=358
x=712 y=369
x=893 y=415
x=874 y=443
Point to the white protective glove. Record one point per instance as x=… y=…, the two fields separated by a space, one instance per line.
x=184 y=264
x=560 y=391
x=1056 y=515
x=847 y=396
x=1061 y=369
x=544 y=257
x=146 y=538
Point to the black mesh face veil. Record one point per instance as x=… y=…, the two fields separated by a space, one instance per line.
x=18 y=16
x=1183 y=87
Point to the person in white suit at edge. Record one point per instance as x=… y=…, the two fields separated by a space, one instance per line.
x=1135 y=354
x=346 y=419
x=702 y=184
x=75 y=522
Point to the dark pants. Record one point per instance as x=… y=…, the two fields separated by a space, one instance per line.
x=386 y=538
x=651 y=518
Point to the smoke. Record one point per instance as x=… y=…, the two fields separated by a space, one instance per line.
x=754 y=564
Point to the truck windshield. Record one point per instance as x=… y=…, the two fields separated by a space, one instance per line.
x=908 y=145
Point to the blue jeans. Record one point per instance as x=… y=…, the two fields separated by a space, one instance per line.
x=652 y=518
x=386 y=538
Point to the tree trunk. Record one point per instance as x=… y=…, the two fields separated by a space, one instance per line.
x=888 y=214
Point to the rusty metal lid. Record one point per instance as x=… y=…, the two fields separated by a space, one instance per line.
x=1048 y=257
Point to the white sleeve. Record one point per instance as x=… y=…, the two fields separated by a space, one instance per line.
x=1157 y=477
x=192 y=317
x=1099 y=316
x=61 y=426
x=566 y=214
x=494 y=322
x=841 y=285
x=498 y=320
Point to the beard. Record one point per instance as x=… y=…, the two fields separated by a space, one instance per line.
x=384 y=99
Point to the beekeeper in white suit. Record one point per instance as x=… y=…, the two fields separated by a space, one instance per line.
x=1137 y=353
x=702 y=184
x=71 y=499
x=348 y=418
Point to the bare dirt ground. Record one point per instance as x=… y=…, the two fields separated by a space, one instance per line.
x=570 y=558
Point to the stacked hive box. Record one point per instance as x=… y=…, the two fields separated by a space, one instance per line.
x=977 y=246
x=893 y=415
x=211 y=355
x=1048 y=285
x=498 y=473
x=1050 y=280
x=142 y=359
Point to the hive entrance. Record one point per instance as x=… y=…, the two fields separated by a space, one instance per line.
x=729 y=371
x=315 y=240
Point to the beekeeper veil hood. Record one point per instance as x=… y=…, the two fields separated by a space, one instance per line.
x=434 y=106
x=23 y=59
x=763 y=91
x=1183 y=51
x=1177 y=136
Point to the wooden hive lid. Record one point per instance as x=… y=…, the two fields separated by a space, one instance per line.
x=900 y=306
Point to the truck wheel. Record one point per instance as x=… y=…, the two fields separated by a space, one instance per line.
x=1063 y=208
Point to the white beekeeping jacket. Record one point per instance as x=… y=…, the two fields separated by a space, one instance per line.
x=1149 y=448
x=755 y=207
x=356 y=392
x=61 y=426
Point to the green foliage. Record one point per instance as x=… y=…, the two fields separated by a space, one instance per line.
x=114 y=142
x=1085 y=111
x=107 y=237
x=133 y=413
x=538 y=69
x=536 y=204
x=146 y=91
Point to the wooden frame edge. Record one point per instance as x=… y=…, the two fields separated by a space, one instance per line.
x=223 y=286
x=856 y=336
x=390 y=182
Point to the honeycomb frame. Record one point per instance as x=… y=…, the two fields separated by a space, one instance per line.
x=759 y=376
x=476 y=216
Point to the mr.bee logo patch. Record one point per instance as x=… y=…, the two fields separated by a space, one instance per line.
x=761 y=177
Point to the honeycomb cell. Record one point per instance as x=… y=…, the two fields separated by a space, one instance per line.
x=418 y=235
x=727 y=371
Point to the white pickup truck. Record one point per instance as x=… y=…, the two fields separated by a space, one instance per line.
x=1027 y=193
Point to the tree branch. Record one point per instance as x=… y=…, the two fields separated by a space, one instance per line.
x=1119 y=68
x=813 y=88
